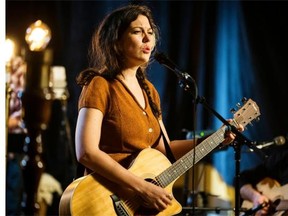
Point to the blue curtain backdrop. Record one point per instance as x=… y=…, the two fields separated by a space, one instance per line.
x=233 y=75
x=233 y=49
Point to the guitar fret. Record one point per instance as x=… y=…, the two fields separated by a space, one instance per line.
x=169 y=174
x=200 y=152
x=220 y=135
x=205 y=147
x=189 y=159
x=165 y=178
x=159 y=180
x=182 y=166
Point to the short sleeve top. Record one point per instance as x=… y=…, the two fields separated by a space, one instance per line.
x=127 y=127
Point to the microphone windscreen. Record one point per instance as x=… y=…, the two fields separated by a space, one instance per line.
x=160 y=57
x=164 y=60
x=280 y=140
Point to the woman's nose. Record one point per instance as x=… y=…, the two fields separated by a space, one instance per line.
x=146 y=37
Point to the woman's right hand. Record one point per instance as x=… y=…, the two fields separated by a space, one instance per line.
x=155 y=197
x=259 y=199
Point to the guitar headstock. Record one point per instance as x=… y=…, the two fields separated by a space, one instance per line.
x=246 y=113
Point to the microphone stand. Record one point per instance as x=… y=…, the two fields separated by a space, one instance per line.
x=189 y=85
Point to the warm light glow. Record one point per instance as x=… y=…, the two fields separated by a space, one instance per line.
x=9 y=50
x=38 y=35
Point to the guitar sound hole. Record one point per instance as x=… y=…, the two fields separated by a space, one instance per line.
x=273 y=206
x=145 y=211
x=276 y=202
x=153 y=181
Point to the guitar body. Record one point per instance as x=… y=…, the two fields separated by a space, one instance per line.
x=91 y=194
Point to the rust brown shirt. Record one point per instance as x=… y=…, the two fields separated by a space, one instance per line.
x=127 y=128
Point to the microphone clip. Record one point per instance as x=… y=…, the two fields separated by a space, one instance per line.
x=186 y=81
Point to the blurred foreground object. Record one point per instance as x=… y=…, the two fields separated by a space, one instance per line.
x=48 y=185
x=15 y=133
x=37 y=99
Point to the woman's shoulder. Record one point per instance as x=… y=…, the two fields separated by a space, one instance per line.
x=99 y=79
x=98 y=85
x=95 y=94
x=98 y=82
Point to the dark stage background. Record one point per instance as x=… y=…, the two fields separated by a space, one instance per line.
x=233 y=49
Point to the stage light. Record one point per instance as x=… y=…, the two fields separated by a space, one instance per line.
x=9 y=50
x=38 y=35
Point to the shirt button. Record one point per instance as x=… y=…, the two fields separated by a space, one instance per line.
x=150 y=130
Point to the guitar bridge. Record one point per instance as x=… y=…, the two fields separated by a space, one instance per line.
x=119 y=208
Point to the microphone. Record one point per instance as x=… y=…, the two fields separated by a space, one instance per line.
x=186 y=81
x=279 y=140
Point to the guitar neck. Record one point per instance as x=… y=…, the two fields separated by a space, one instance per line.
x=187 y=161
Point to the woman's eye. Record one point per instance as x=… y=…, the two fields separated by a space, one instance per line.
x=142 y=32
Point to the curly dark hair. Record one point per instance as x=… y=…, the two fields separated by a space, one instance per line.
x=105 y=58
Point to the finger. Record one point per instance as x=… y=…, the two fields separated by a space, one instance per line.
x=145 y=204
x=167 y=199
x=232 y=136
x=170 y=196
x=240 y=128
x=161 y=205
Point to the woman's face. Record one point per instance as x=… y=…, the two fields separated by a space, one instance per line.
x=137 y=42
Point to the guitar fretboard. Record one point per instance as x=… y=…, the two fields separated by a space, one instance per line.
x=187 y=161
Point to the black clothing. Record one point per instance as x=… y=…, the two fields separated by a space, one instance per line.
x=275 y=167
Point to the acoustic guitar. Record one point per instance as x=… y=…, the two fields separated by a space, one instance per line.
x=278 y=196
x=96 y=196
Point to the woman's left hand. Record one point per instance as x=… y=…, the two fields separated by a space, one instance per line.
x=229 y=135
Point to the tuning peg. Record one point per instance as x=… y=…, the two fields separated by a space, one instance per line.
x=238 y=105
x=250 y=123
x=244 y=100
x=232 y=110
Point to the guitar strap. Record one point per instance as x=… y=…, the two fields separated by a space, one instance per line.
x=169 y=153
